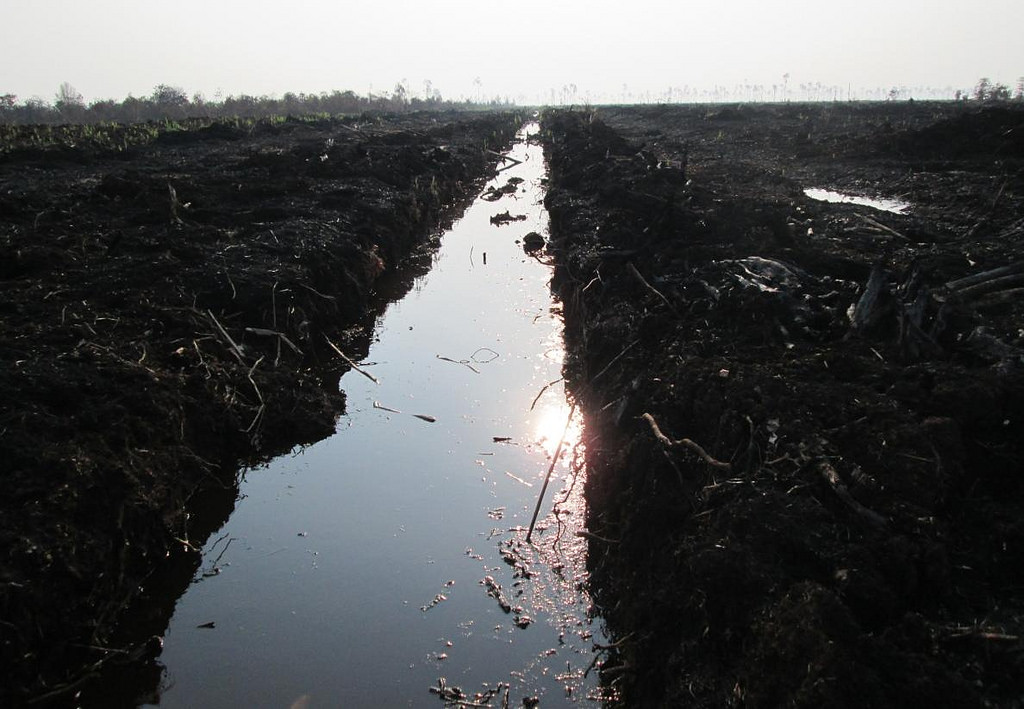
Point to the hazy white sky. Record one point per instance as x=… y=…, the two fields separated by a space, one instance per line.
x=522 y=49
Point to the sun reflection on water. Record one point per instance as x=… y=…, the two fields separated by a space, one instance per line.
x=553 y=424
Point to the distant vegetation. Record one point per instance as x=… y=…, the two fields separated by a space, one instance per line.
x=985 y=90
x=173 y=103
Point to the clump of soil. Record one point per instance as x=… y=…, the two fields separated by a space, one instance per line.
x=844 y=525
x=172 y=307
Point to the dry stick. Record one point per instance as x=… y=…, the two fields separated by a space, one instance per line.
x=463 y=362
x=878 y=225
x=316 y=292
x=590 y=535
x=988 y=215
x=1007 y=296
x=263 y=332
x=999 y=283
x=636 y=274
x=234 y=348
x=273 y=311
x=985 y=275
x=263 y=405
x=695 y=447
x=541 y=392
x=867 y=515
x=614 y=359
x=273 y=302
x=509 y=158
x=547 y=478
x=351 y=363
x=358 y=132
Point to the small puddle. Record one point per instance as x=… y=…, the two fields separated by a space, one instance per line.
x=387 y=564
x=886 y=205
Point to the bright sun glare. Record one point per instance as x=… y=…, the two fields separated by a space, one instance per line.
x=550 y=426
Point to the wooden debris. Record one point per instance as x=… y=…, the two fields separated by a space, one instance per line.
x=873 y=302
x=351 y=363
x=650 y=289
x=224 y=333
x=869 y=517
x=263 y=332
x=686 y=442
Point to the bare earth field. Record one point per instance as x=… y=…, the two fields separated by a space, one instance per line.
x=844 y=525
x=805 y=419
x=171 y=297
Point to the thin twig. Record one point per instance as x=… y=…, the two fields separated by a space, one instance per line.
x=650 y=289
x=869 y=516
x=692 y=445
x=263 y=332
x=547 y=478
x=615 y=359
x=878 y=225
x=542 y=390
x=351 y=363
x=263 y=405
x=464 y=362
x=315 y=291
x=234 y=348
x=590 y=535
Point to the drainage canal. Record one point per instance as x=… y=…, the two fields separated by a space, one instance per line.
x=387 y=565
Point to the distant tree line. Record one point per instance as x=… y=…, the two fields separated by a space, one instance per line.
x=986 y=90
x=173 y=103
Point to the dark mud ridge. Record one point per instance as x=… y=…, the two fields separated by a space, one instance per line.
x=843 y=524
x=170 y=311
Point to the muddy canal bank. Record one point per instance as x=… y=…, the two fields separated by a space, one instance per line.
x=843 y=526
x=387 y=565
x=166 y=312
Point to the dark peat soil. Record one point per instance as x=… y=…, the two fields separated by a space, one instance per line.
x=169 y=312
x=845 y=524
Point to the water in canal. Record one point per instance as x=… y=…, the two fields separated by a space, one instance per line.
x=362 y=570
x=896 y=206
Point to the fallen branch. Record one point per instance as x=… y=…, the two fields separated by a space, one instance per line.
x=1007 y=296
x=231 y=343
x=878 y=225
x=358 y=132
x=966 y=281
x=871 y=305
x=263 y=332
x=650 y=289
x=983 y=635
x=991 y=285
x=547 y=478
x=692 y=445
x=870 y=517
x=351 y=363
x=506 y=158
